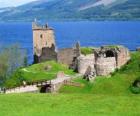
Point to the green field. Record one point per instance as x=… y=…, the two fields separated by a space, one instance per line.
x=69 y=105
x=106 y=96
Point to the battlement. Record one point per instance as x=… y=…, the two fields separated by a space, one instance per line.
x=37 y=26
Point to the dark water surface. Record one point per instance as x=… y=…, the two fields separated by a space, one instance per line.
x=67 y=33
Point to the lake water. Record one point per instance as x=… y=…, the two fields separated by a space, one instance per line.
x=68 y=33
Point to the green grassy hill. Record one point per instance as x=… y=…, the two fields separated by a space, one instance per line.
x=104 y=97
x=37 y=72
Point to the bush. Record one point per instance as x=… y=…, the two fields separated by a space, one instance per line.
x=135 y=87
x=135 y=90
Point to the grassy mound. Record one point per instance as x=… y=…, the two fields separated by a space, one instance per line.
x=37 y=72
x=119 y=83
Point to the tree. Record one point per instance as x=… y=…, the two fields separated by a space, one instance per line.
x=11 y=58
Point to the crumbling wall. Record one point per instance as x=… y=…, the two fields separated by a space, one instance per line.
x=69 y=56
x=123 y=56
x=104 y=66
x=26 y=89
x=66 y=56
x=47 y=54
x=84 y=62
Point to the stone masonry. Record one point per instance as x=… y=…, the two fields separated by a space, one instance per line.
x=69 y=56
x=43 y=43
x=104 y=60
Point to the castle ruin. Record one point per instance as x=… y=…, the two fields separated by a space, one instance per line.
x=102 y=61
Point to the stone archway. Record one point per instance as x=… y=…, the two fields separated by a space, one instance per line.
x=109 y=53
x=45 y=89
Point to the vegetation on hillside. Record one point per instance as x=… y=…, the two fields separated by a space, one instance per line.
x=37 y=72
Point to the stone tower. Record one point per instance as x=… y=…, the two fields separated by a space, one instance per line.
x=43 y=43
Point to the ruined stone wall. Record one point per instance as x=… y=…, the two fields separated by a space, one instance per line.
x=104 y=66
x=66 y=56
x=122 y=57
x=84 y=62
x=27 y=89
x=47 y=54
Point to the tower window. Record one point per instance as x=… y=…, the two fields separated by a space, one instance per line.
x=41 y=36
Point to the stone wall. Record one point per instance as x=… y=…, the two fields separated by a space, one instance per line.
x=47 y=54
x=54 y=85
x=65 y=56
x=42 y=39
x=31 y=88
x=84 y=62
x=104 y=66
x=68 y=56
x=122 y=56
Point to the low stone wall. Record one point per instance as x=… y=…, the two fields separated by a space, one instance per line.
x=31 y=88
x=104 y=66
x=58 y=82
x=122 y=57
x=84 y=62
x=55 y=85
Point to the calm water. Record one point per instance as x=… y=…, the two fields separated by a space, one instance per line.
x=67 y=33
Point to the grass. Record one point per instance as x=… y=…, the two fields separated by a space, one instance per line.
x=37 y=72
x=104 y=97
x=69 y=105
x=87 y=50
x=112 y=46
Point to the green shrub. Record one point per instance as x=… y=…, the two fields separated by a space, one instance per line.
x=135 y=90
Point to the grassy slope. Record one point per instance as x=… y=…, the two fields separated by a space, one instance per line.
x=106 y=96
x=37 y=72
